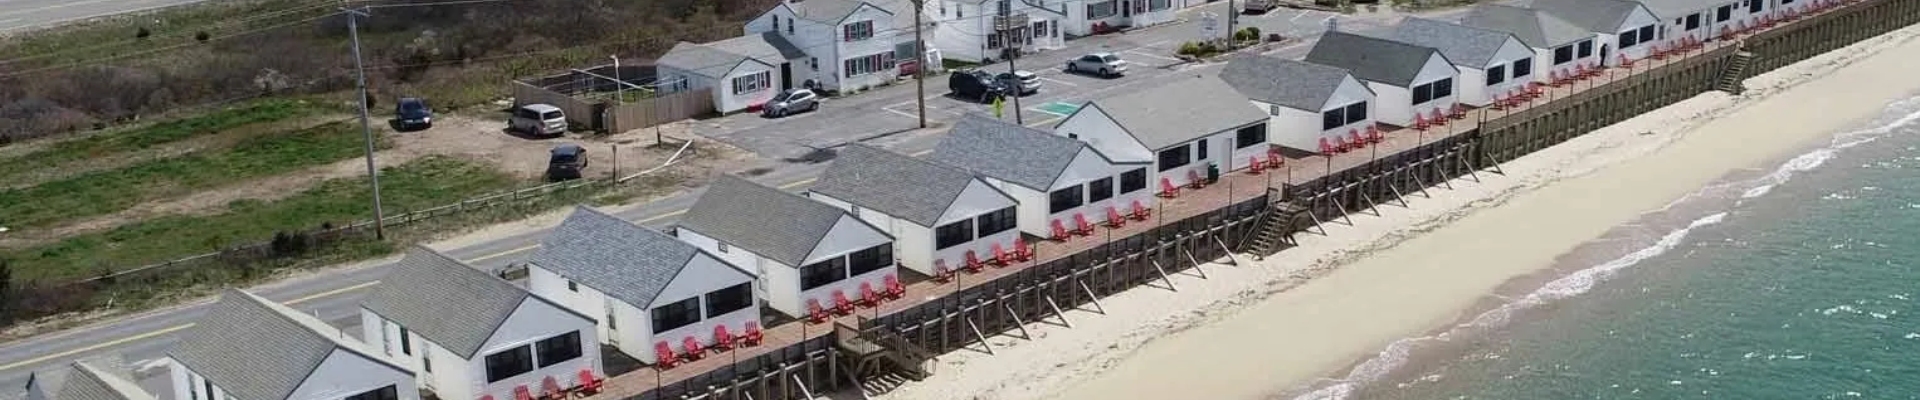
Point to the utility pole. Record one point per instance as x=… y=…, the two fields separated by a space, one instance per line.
x=366 y=127
x=1010 y=52
x=619 y=85
x=1233 y=15
x=920 y=56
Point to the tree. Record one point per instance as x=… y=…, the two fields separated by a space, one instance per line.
x=6 y=291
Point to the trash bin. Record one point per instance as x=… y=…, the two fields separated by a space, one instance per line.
x=1213 y=173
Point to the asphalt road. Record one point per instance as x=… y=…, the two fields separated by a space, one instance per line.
x=19 y=15
x=883 y=117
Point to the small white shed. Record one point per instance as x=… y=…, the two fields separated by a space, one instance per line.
x=1304 y=102
x=805 y=252
x=1485 y=57
x=247 y=347
x=1052 y=178
x=1405 y=78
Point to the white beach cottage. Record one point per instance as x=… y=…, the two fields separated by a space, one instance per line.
x=850 y=44
x=97 y=378
x=472 y=335
x=1304 y=102
x=1086 y=17
x=650 y=289
x=1559 y=46
x=247 y=347
x=1032 y=25
x=1053 y=178
x=1486 y=58
x=806 y=253
x=1620 y=27
x=1405 y=78
x=1698 y=20
x=1190 y=127
x=939 y=215
x=743 y=72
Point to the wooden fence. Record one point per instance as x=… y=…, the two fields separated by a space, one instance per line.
x=659 y=109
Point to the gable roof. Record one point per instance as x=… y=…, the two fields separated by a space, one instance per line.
x=1007 y=151
x=622 y=259
x=1177 y=111
x=1535 y=28
x=84 y=380
x=898 y=185
x=1670 y=9
x=829 y=12
x=1603 y=16
x=781 y=226
x=715 y=59
x=1462 y=44
x=259 y=350
x=1370 y=58
x=1289 y=83
x=445 y=300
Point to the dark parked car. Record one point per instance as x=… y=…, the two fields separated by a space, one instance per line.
x=412 y=113
x=566 y=161
x=977 y=85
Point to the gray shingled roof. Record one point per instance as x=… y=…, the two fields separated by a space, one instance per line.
x=1670 y=9
x=84 y=380
x=1007 y=151
x=1604 y=16
x=1293 y=84
x=1535 y=28
x=627 y=261
x=1179 y=110
x=444 y=300
x=715 y=59
x=256 y=350
x=1370 y=58
x=898 y=185
x=781 y=226
x=826 y=11
x=1462 y=44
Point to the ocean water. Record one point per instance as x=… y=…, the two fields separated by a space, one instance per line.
x=1795 y=282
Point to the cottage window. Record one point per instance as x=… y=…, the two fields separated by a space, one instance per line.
x=1754 y=6
x=857 y=31
x=1723 y=14
x=959 y=11
x=510 y=363
x=1586 y=48
x=954 y=234
x=1175 y=158
x=943 y=9
x=1693 y=22
x=1332 y=119
x=1064 y=199
x=1423 y=94
x=1102 y=10
x=406 y=343
x=1646 y=34
x=1496 y=74
x=1133 y=181
x=557 y=349
x=869 y=64
x=1522 y=68
x=1201 y=147
x=426 y=359
x=680 y=313
x=993 y=40
x=1442 y=88
x=869 y=260
x=735 y=298
x=1356 y=112
x=997 y=221
x=1039 y=29
x=1629 y=38
x=1563 y=55
x=776 y=23
x=1100 y=189
x=1250 y=136
x=1006 y=7
x=1273 y=110
x=211 y=394
x=823 y=273
x=790 y=25
x=754 y=82
x=1157 y=5
x=385 y=393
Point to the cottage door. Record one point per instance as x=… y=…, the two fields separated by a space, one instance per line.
x=786 y=76
x=1126 y=9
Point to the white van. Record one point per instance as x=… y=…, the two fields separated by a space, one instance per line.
x=538 y=119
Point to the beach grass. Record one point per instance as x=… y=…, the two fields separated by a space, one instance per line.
x=125 y=141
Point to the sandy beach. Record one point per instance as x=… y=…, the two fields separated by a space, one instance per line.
x=1310 y=313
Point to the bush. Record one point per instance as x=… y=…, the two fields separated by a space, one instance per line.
x=1247 y=34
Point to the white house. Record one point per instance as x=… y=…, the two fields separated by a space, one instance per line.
x=1189 y=127
x=1700 y=20
x=850 y=44
x=246 y=347
x=1405 y=78
x=472 y=335
x=1485 y=57
x=1559 y=45
x=1052 y=178
x=743 y=72
x=1084 y=16
x=1304 y=102
x=101 y=378
x=805 y=252
x=970 y=29
x=934 y=211
x=647 y=287
x=1620 y=27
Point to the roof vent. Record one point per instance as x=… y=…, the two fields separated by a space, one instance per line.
x=1333 y=23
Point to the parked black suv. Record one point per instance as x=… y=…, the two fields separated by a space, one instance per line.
x=977 y=85
x=412 y=113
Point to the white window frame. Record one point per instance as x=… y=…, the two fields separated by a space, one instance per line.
x=752 y=83
x=857 y=31
x=867 y=64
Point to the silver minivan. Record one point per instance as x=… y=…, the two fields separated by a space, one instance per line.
x=539 y=120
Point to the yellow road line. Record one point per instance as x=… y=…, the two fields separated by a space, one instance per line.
x=663 y=216
x=797 y=183
x=111 y=343
x=922 y=152
x=330 y=293
x=503 y=253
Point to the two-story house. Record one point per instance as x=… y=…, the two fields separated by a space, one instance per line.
x=1306 y=104
x=1190 y=127
x=471 y=335
x=850 y=44
x=247 y=347
x=1405 y=78
x=651 y=290
x=807 y=254
x=984 y=30
x=1053 y=178
x=1559 y=45
x=1486 y=58
x=939 y=215
x=1620 y=27
x=95 y=378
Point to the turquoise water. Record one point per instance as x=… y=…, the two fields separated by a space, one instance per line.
x=1801 y=282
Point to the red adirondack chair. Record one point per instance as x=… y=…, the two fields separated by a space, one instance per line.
x=1081 y=227
x=1060 y=228
x=521 y=393
x=1140 y=211
x=663 y=356
x=693 y=348
x=1273 y=159
x=722 y=339
x=1193 y=179
x=1168 y=190
x=1374 y=135
x=973 y=262
x=815 y=312
x=1419 y=122
x=1438 y=118
x=1021 y=250
x=1002 y=257
x=550 y=389
x=753 y=336
x=841 y=305
x=940 y=270
x=589 y=383
x=486 y=397
x=1459 y=111
x=1254 y=165
x=1353 y=135
x=1114 y=220
x=868 y=297
x=1327 y=147
x=894 y=288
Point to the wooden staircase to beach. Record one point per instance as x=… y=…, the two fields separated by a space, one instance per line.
x=1273 y=229
x=1734 y=72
